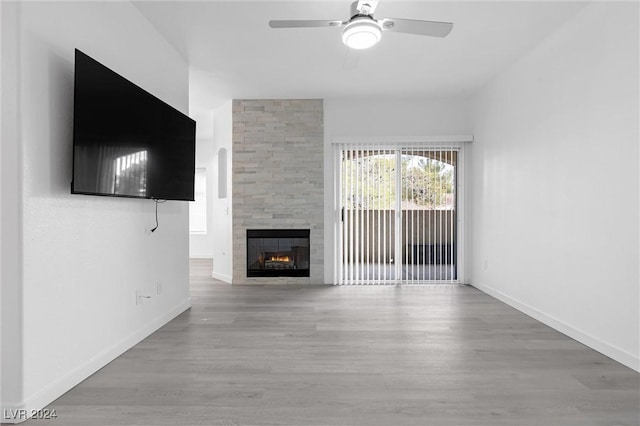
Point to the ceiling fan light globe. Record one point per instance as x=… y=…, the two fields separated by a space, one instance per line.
x=361 y=33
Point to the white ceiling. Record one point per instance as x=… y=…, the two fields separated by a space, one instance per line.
x=234 y=54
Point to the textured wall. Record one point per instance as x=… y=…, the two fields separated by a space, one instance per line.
x=278 y=177
x=81 y=258
x=545 y=237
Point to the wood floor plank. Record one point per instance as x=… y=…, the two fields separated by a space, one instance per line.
x=379 y=355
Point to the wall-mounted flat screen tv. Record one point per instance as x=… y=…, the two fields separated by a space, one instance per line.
x=127 y=142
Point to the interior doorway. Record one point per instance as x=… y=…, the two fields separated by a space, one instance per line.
x=399 y=214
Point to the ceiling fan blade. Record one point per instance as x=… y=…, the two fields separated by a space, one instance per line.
x=304 y=24
x=366 y=7
x=413 y=26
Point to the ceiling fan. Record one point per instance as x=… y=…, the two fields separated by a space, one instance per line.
x=362 y=30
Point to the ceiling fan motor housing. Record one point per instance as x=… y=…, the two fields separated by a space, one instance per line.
x=365 y=8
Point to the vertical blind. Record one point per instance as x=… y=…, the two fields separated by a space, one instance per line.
x=397 y=214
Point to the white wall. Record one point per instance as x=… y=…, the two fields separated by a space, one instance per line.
x=83 y=257
x=380 y=118
x=555 y=182
x=10 y=208
x=222 y=214
x=201 y=245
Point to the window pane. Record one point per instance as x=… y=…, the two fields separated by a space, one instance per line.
x=198 y=209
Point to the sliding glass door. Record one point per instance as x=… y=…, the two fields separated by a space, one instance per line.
x=397 y=214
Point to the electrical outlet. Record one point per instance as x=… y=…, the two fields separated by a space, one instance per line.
x=137 y=298
x=159 y=287
x=485 y=265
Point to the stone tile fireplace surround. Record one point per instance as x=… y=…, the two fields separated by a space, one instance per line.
x=277 y=161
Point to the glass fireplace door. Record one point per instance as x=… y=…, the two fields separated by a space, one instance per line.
x=278 y=252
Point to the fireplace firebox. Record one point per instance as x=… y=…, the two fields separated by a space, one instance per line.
x=277 y=252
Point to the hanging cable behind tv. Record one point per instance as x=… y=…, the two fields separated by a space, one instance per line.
x=157 y=201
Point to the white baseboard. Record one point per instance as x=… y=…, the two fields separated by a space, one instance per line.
x=50 y=393
x=222 y=277
x=201 y=256
x=623 y=357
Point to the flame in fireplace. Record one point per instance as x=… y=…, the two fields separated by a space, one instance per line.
x=280 y=259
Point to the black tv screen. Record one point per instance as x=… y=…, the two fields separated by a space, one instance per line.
x=127 y=142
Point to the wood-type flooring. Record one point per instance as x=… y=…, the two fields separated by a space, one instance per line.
x=352 y=355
